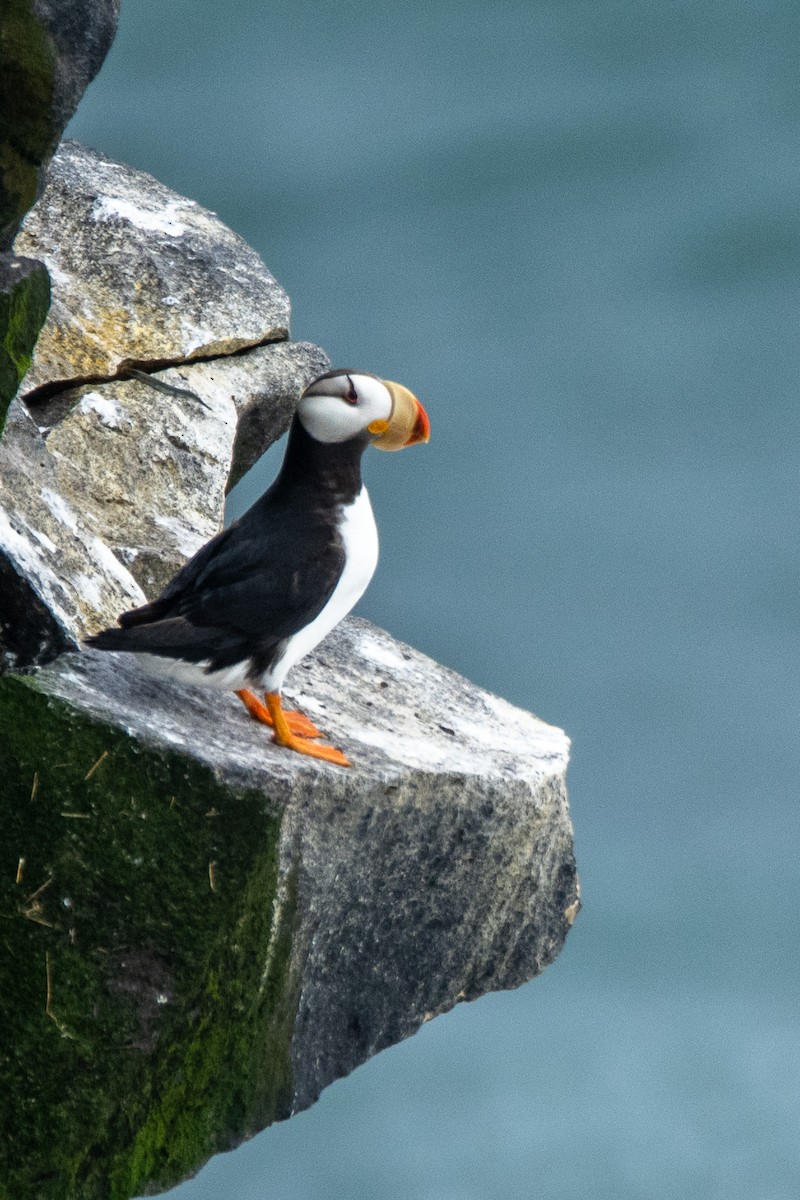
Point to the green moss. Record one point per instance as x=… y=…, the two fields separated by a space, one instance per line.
x=23 y=309
x=28 y=135
x=111 y=1090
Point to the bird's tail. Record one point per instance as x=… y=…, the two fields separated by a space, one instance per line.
x=172 y=638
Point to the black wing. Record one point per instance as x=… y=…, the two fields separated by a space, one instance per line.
x=248 y=589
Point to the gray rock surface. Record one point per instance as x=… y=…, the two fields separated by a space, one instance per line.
x=224 y=926
x=253 y=392
x=141 y=276
x=56 y=574
x=438 y=869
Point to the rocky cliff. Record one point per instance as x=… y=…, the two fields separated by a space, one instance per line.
x=202 y=930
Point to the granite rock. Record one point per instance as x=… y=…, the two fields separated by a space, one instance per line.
x=57 y=576
x=153 y=469
x=141 y=276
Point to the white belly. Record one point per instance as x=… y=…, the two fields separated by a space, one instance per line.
x=359 y=535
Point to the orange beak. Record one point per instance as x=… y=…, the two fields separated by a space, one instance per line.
x=408 y=423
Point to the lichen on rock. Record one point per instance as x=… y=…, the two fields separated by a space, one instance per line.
x=56 y=574
x=27 y=91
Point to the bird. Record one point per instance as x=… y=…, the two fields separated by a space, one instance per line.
x=263 y=592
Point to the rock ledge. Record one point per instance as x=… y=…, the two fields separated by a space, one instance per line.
x=274 y=921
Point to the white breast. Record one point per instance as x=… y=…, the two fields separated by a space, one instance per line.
x=360 y=537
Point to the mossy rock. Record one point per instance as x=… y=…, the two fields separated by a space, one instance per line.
x=201 y=930
x=49 y=53
x=27 y=87
x=24 y=301
x=146 y=995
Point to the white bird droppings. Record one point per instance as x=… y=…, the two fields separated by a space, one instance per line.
x=378 y=652
x=165 y=220
x=60 y=509
x=187 y=539
x=89 y=590
x=105 y=408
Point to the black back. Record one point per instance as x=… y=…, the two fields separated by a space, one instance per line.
x=265 y=577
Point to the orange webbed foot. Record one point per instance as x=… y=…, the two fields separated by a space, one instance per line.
x=284 y=736
x=314 y=750
x=298 y=722
x=291 y=729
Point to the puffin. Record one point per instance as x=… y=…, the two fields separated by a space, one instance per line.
x=266 y=590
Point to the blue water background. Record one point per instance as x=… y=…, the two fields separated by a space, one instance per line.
x=573 y=228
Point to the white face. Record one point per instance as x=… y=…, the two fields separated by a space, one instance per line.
x=343 y=406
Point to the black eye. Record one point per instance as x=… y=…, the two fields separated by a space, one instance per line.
x=351 y=395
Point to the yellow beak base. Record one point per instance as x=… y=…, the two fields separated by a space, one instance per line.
x=407 y=424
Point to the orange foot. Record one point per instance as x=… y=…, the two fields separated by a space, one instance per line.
x=291 y=729
x=298 y=723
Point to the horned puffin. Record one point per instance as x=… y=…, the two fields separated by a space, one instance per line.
x=265 y=591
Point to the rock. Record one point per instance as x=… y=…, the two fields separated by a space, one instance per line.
x=56 y=574
x=24 y=300
x=141 y=276
x=210 y=929
x=150 y=472
x=265 y=385
x=98 y=511
x=125 y=478
x=153 y=472
x=50 y=50
x=82 y=32
x=262 y=384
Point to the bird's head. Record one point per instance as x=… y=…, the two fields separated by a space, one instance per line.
x=342 y=405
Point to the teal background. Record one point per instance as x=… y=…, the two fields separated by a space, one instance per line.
x=573 y=228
